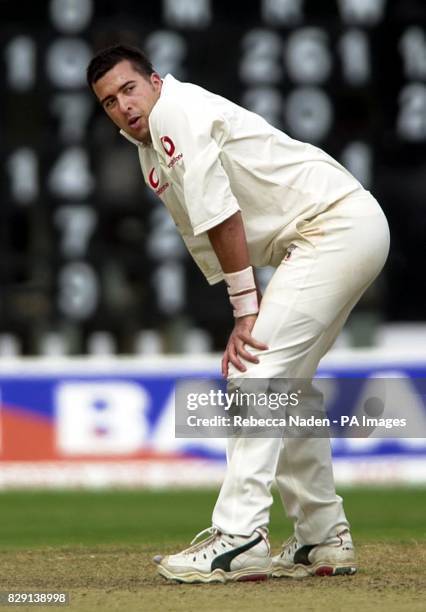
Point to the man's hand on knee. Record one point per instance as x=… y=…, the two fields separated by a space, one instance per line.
x=236 y=348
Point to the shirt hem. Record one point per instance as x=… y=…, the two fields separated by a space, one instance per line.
x=216 y=278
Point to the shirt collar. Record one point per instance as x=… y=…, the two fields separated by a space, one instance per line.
x=138 y=143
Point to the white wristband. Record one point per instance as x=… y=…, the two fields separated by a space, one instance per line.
x=243 y=280
x=245 y=304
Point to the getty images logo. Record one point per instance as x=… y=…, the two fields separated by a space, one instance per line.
x=169 y=147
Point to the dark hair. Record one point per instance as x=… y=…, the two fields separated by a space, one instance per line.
x=107 y=58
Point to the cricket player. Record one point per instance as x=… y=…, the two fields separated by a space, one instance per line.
x=244 y=194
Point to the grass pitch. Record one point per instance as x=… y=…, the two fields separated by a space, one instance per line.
x=98 y=547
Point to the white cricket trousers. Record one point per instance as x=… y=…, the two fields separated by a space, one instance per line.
x=335 y=257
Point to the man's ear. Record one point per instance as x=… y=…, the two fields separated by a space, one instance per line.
x=156 y=80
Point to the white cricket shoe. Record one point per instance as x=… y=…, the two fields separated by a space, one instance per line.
x=334 y=557
x=220 y=558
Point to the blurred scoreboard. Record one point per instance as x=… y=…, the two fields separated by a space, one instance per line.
x=86 y=247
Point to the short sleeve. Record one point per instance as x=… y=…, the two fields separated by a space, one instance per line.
x=194 y=132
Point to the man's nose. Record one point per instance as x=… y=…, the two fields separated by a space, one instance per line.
x=123 y=104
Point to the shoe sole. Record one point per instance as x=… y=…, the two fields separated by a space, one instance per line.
x=319 y=569
x=218 y=575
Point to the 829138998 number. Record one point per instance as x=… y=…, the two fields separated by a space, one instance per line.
x=34 y=597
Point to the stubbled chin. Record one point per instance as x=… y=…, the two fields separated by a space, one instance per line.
x=145 y=139
x=143 y=136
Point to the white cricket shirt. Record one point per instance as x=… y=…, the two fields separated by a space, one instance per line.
x=210 y=158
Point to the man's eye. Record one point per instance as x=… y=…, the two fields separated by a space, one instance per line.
x=129 y=88
x=109 y=103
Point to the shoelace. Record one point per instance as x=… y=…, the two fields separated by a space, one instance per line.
x=213 y=534
x=209 y=530
x=290 y=543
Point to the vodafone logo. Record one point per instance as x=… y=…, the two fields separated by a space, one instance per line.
x=168 y=145
x=154 y=181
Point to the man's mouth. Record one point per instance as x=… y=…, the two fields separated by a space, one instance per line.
x=134 y=122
